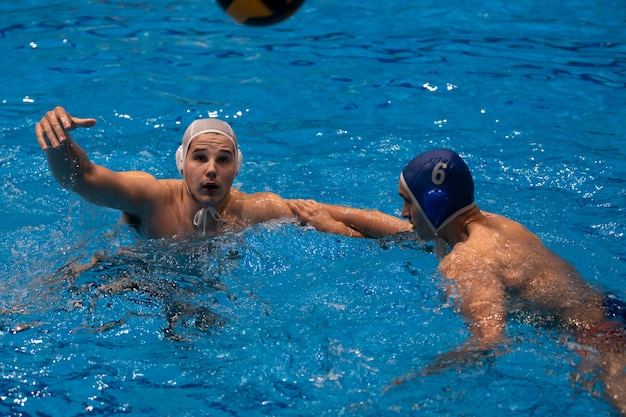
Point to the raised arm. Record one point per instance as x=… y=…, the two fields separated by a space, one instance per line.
x=72 y=168
x=348 y=221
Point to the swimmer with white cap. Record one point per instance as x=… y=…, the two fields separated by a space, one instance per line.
x=203 y=202
x=493 y=265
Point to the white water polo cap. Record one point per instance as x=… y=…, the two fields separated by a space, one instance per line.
x=440 y=184
x=199 y=127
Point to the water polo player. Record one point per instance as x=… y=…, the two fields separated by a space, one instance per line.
x=204 y=201
x=494 y=267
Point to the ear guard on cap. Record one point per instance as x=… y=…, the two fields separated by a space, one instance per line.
x=180 y=163
x=179 y=160
x=435 y=206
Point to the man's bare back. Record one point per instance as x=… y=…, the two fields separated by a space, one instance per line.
x=501 y=253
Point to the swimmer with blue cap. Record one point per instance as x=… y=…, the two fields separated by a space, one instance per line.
x=492 y=265
x=203 y=202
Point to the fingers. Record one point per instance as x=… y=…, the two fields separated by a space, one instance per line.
x=303 y=208
x=67 y=121
x=52 y=129
x=294 y=205
x=299 y=203
x=78 y=122
x=40 y=137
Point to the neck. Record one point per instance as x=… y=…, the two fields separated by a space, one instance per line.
x=458 y=230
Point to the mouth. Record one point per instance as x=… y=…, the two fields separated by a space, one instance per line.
x=210 y=187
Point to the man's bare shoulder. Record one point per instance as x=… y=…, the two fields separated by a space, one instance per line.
x=152 y=187
x=144 y=179
x=508 y=230
x=169 y=183
x=261 y=198
x=480 y=252
x=157 y=213
x=462 y=258
x=262 y=206
x=154 y=196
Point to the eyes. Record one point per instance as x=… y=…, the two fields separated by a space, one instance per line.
x=222 y=158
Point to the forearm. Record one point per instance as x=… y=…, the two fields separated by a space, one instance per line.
x=68 y=164
x=368 y=223
x=339 y=228
x=487 y=322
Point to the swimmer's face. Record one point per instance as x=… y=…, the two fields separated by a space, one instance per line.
x=210 y=168
x=414 y=215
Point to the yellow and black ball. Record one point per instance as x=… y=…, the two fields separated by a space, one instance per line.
x=259 y=12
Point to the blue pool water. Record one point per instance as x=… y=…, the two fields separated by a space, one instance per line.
x=279 y=319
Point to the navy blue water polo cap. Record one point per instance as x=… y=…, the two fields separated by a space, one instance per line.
x=440 y=184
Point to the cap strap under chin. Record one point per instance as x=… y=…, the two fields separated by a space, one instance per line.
x=202 y=215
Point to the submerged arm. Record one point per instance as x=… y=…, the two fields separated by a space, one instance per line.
x=482 y=303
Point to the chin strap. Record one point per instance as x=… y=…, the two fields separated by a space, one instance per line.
x=202 y=215
x=440 y=247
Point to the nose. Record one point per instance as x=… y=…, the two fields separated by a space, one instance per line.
x=210 y=169
x=406 y=213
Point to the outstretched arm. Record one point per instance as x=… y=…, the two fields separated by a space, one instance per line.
x=348 y=221
x=72 y=168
